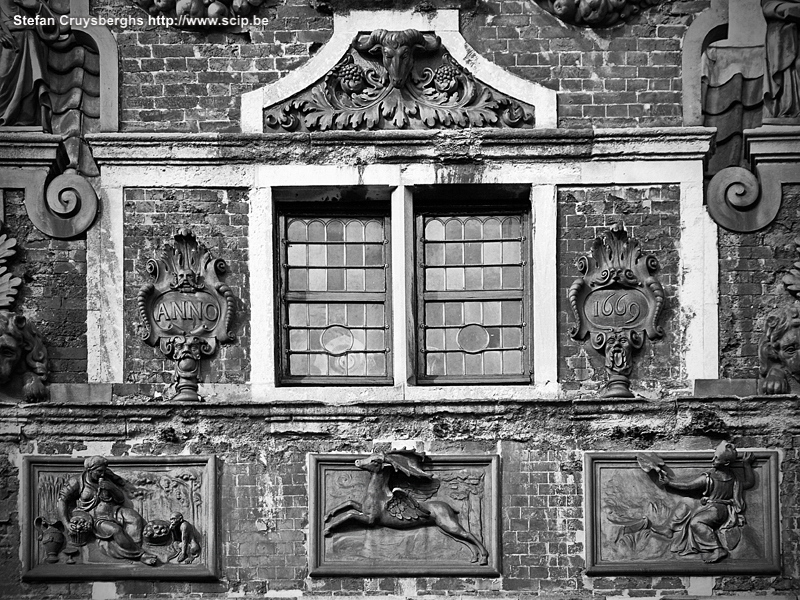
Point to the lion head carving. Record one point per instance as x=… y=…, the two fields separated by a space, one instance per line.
x=22 y=352
x=779 y=351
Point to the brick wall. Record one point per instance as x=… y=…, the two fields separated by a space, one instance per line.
x=751 y=270
x=53 y=292
x=191 y=81
x=219 y=220
x=650 y=214
x=263 y=499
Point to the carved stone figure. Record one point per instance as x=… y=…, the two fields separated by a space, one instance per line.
x=198 y=14
x=23 y=353
x=24 y=83
x=712 y=529
x=779 y=352
x=397 y=80
x=398 y=497
x=595 y=13
x=188 y=310
x=96 y=502
x=185 y=539
x=783 y=58
x=616 y=301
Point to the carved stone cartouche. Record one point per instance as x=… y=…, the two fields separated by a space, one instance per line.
x=188 y=310
x=616 y=301
x=712 y=529
x=398 y=497
x=595 y=13
x=23 y=355
x=397 y=80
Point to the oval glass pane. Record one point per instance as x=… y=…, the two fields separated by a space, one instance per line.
x=473 y=338
x=337 y=339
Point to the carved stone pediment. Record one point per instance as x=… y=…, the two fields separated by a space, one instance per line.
x=398 y=80
x=188 y=310
x=616 y=302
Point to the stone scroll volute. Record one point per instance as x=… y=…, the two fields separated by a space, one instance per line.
x=617 y=302
x=187 y=311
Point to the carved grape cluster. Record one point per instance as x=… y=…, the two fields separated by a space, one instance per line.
x=351 y=77
x=445 y=78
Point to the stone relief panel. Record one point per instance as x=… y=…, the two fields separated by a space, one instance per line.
x=402 y=513
x=397 y=80
x=688 y=513
x=119 y=518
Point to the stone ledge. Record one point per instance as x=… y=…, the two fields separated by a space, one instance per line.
x=663 y=143
x=23 y=148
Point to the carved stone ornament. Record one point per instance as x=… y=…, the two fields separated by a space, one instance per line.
x=688 y=513
x=119 y=518
x=750 y=88
x=402 y=513
x=616 y=302
x=188 y=310
x=595 y=13
x=397 y=80
x=779 y=347
x=51 y=83
x=199 y=14
x=23 y=355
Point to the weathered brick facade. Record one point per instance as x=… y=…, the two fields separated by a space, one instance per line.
x=189 y=152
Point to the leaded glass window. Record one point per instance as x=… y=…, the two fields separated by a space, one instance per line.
x=335 y=311
x=473 y=296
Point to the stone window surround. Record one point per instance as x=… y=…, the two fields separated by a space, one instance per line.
x=617 y=157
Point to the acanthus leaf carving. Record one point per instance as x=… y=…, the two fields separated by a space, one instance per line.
x=416 y=84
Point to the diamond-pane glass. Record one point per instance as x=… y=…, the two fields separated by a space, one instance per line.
x=346 y=336
x=473 y=296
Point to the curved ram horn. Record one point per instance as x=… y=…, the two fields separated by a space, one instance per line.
x=376 y=38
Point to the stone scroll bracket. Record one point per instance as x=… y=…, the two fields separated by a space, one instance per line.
x=83 y=80
x=729 y=84
x=443 y=24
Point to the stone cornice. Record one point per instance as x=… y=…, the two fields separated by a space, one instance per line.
x=28 y=148
x=621 y=144
x=678 y=415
